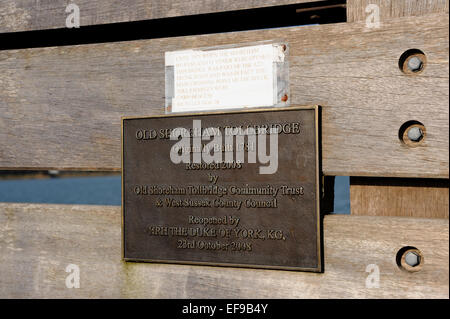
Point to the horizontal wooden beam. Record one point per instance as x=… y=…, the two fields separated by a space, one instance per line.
x=38 y=242
x=427 y=198
x=27 y=15
x=60 y=107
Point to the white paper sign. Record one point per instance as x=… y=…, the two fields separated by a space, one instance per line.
x=223 y=79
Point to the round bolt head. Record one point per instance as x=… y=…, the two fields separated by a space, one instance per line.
x=412 y=62
x=415 y=64
x=415 y=134
x=412 y=259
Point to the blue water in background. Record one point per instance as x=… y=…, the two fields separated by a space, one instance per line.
x=106 y=190
x=98 y=190
x=341 y=195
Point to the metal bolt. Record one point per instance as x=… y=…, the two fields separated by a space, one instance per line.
x=415 y=64
x=412 y=133
x=415 y=134
x=412 y=62
x=412 y=259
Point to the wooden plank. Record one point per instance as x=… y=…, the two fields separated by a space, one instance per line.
x=37 y=242
x=397 y=197
x=27 y=15
x=60 y=107
x=427 y=198
x=356 y=9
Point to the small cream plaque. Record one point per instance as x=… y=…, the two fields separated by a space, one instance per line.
x=229 y=78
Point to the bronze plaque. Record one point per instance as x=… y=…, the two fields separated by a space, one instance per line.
x=209 y=195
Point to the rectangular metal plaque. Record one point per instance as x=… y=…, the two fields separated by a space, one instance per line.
x=199 y=199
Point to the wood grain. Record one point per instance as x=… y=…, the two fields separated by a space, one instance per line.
x=60 y=107
x=27 y=15
x=356 y=9
x=37 y=242
x=427 y=198
x=397 y=197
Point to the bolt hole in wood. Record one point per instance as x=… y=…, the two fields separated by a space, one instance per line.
x=412 y=61
x=412 y=133
x=410 y=259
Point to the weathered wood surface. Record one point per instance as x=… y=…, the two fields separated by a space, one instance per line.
x=386 y=197
x=60 y=107
x=37 y=242
x=356 y=9
x=427 y=198
x=26 y=15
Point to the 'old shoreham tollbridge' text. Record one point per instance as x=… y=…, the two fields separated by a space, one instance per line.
x=227 y=147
